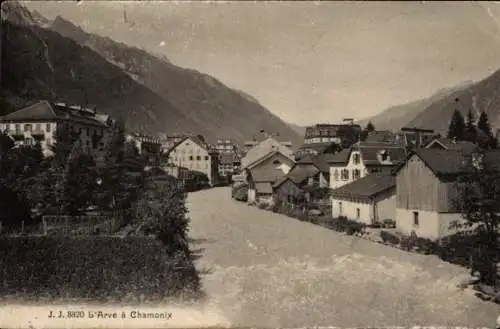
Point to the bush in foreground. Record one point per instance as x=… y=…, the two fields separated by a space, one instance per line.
x=89 y=269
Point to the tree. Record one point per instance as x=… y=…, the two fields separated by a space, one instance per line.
x=119 y=189
x=370 y=127
x=484 y=126
x=165 y=216
x=479 y=201
x=470 y=129
x=456 y=130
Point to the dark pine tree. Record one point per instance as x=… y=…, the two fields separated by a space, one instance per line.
x=470 y=128
x=484 y=126
x=456 y=129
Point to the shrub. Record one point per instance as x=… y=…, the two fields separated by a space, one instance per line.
x=353 y=227
x=392 y=238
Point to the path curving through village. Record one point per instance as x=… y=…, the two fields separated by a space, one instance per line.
x=267 y=270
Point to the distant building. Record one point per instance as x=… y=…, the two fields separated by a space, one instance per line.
x=194 y=154
x=415 y=137
x=316 y=149
x=260 y=137
x=262 y=149
x=39 y=122
x=263 y=173
x=229 y=159
x=362 y=159
x=453 y=145
x=328 y=133
x=381 y=136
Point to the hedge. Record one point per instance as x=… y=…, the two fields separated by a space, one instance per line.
x=91 y=269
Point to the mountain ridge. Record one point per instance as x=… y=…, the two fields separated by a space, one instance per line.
x=148 y=91
x=201 y=97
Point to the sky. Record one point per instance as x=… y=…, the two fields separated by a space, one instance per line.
x=309 y=62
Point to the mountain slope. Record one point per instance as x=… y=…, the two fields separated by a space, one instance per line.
x=200 y=97
x=481 y=96
x=41 y=64
x=396 y=117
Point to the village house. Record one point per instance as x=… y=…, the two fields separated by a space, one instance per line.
x=426 y=191
x=454 y=145
x=193 y=153
x=307 y=182
x=263 y=173
x=229 y=159
x=264 y=148
x=39 y=122
x=415 y=137
x=261 y=137
x=381 y=136
x=369 y=200
x=362 y=159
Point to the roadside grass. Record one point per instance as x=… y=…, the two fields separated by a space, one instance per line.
x=92 y=269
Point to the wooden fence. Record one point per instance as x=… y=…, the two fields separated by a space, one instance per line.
x=81 y=225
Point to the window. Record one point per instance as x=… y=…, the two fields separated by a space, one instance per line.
x=198 y=157
x=340 y=209
x=344 y=174
x=206 y=157
x=47 y=127
x=358 y=213
x=356 y=158
x=356 y=174
x=415 y=218
x=336 y=175
x=88 y=132
x=18 y=128
x=38 y=126
x=28 y=141
x=27 y=127
x=191 y=158
x=276 y=162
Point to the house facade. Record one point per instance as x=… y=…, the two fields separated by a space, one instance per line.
x=303 y=182
x=427 y=207
x=415 y=137
x=39 y=123
x=362 y=159
x=194 y=154
x=369 y=200
x=263 y=173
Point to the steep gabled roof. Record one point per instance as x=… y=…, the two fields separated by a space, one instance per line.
x=340 y=158
x=266 y=175
x=453 y=145
x=263 y=149
x=41 y=110
x=367 y=187
x=193 y=138
x=440 y=161
x=370 y=153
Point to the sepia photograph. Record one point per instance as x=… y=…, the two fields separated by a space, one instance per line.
x=250 y=164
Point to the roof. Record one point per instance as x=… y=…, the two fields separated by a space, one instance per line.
x=340 y=158
x=46 y=111
x=301 y=172
x=447 y=162
x=266 y=175
x=453 y=145
x=262 y=149
x=39 y=111
x=194 y=138
x=321 y=162
x=366 y=187
x=370 y=152
x=315 y=146
x=380 y=136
